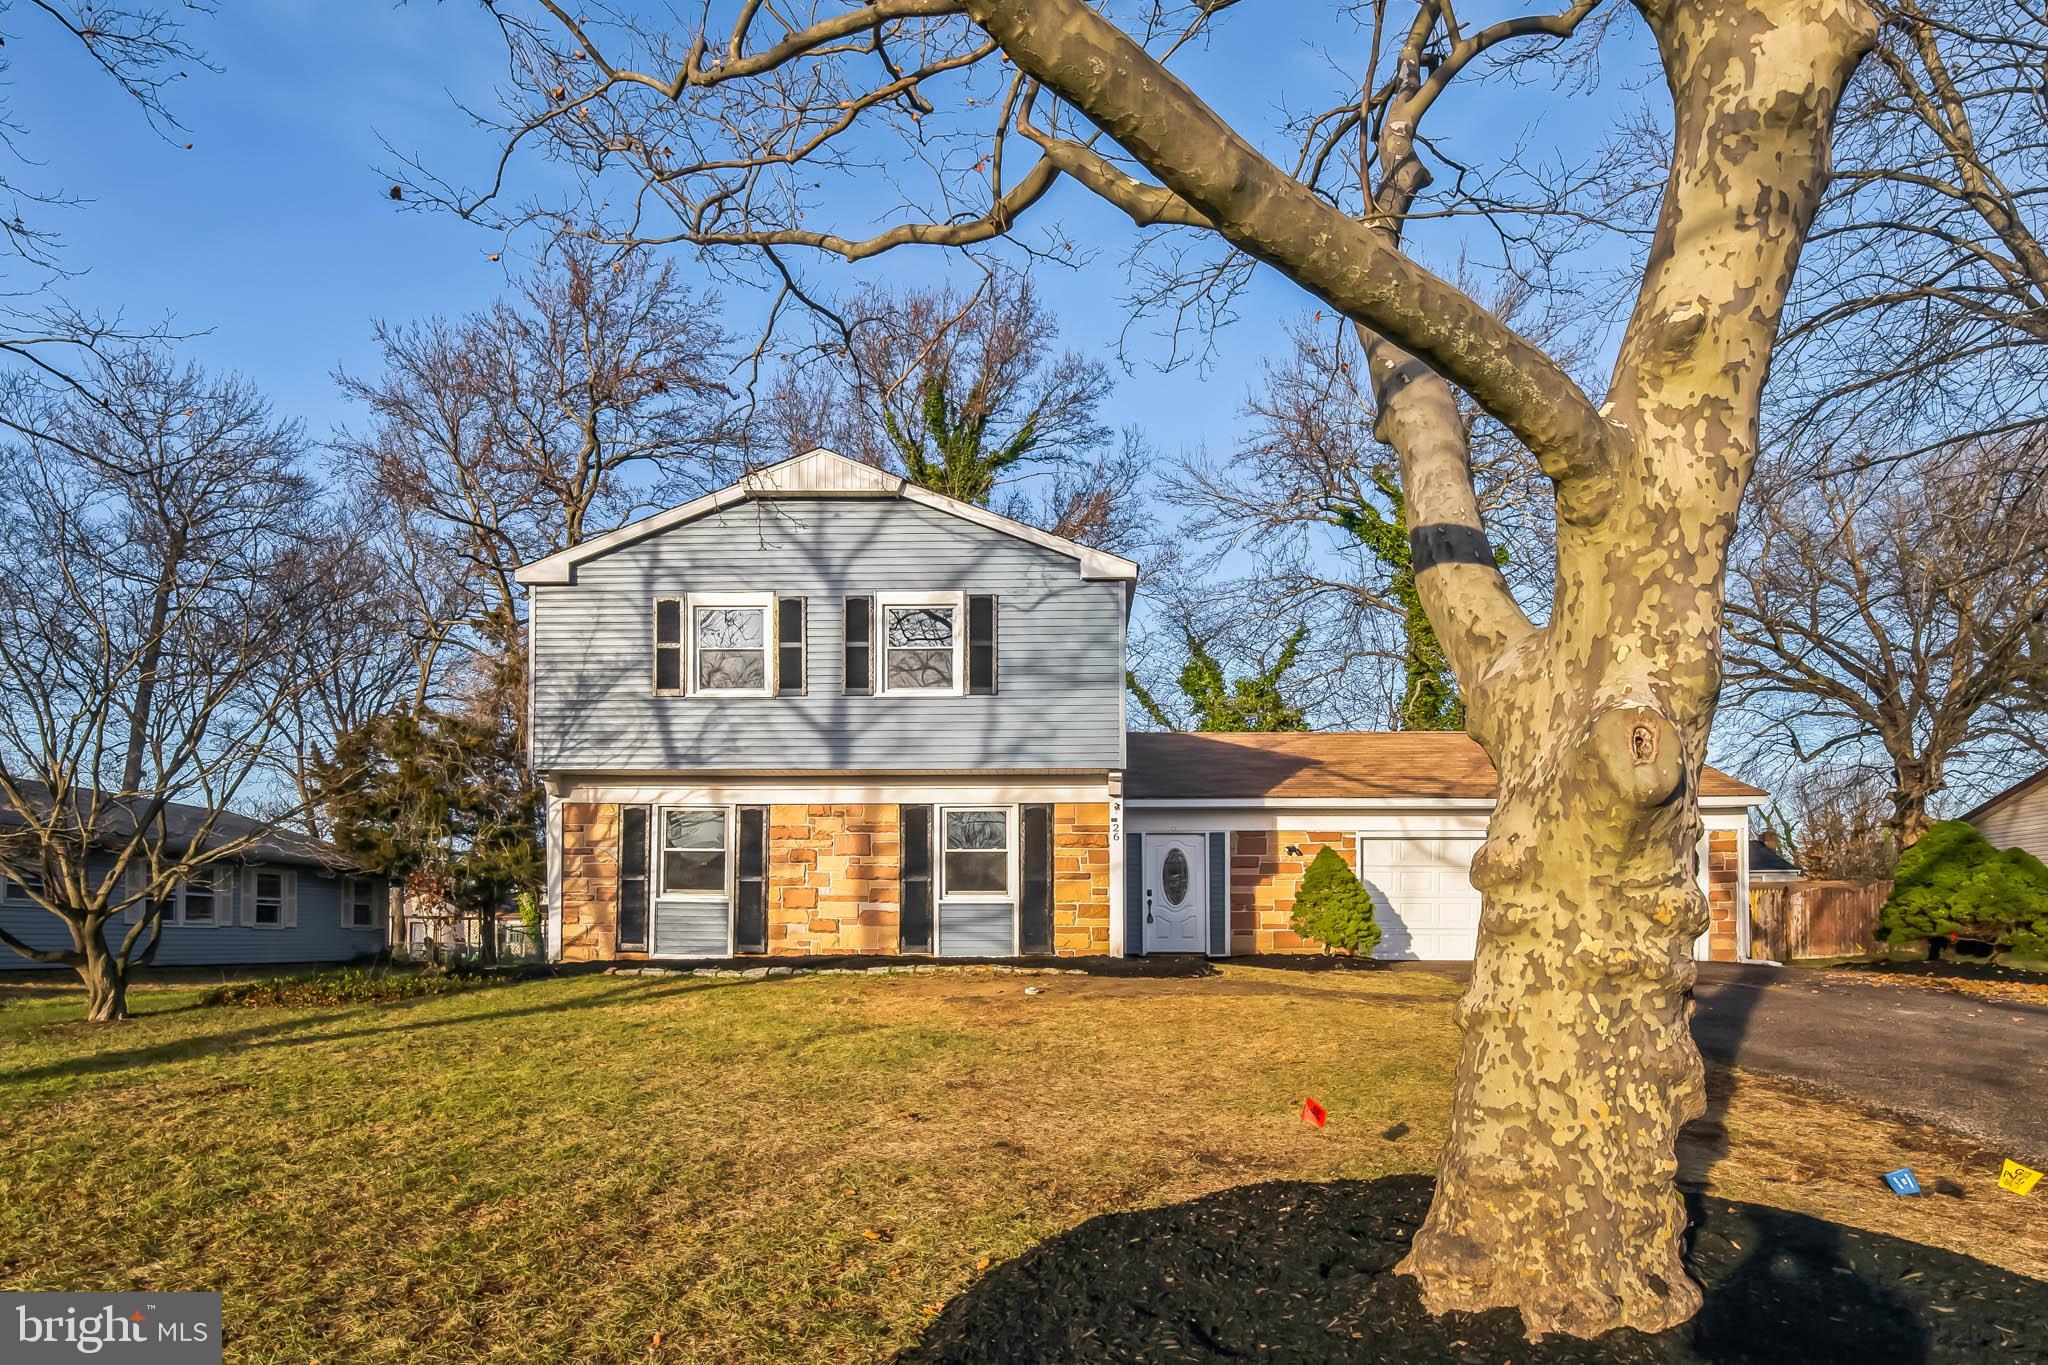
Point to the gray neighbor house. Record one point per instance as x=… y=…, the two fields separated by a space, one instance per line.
x=826 y=711
x=283 y=899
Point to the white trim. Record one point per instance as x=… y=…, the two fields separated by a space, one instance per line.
x=968 y=791
x=1357 y=803
x=878 y=666
x=945 y=895
x=817 y=473
x=763 y=602
x=552 y=797
x=1117 y=946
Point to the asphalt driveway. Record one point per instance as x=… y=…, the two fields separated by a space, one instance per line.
x=1947 y=1059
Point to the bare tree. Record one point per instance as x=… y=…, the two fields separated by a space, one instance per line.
x=966 y=393
x=1836 y=820
x=519 y=431
x=1889 y=620
x=1554 y=1192
x=164 y=554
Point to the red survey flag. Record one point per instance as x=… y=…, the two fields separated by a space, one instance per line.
x=1311 y=1112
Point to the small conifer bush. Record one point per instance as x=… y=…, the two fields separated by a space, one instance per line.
x=1333 y=908
x=1951 y=883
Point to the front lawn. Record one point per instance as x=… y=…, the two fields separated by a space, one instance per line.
x=612 y=1168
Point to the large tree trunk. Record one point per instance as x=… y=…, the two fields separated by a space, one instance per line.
x=105 y=976
x=1555 y=1190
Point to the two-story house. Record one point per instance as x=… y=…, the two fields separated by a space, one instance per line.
x=826 y=711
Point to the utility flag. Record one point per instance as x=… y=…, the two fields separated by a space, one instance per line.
x=2017 y=1178
x=1311 y=1112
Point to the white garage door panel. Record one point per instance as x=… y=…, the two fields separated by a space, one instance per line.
x=1422 y=895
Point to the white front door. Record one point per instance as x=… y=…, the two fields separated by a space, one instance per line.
x=1176 y=892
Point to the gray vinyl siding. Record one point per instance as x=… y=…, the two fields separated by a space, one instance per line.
x=977 y=930
x=690 y=928
x=1060 y=648
x=319 y=935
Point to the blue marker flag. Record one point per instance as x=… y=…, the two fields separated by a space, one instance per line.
x=1902 y=1181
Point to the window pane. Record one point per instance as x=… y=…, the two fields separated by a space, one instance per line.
x=730 y=628
x=977 y=829
x=269 y=886
x=668 y=669
x=693 y=869
x=199 y=903
x=694 y=829
x=731 y=668
x=977 y=872
x=668 y=622
x=921 y=626
x=909 y=668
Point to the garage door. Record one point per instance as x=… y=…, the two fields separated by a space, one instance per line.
x=1422 y=894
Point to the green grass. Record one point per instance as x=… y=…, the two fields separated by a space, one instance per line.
x=564 y=1168
x=561 y=1169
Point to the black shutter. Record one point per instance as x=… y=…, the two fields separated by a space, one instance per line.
x=750 y=886
x=668 y=644
x=1034 y=920
x=981 y=646
x=859 y=637
x=633 y=864
x=914 y=933
x=789 y=644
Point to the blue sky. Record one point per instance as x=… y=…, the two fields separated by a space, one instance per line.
x=275 y=238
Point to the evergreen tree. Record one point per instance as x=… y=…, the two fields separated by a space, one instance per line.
x=1951 y=882
x=440 y=803
x=1254 y=703
x=1333 y=908
x=1430 y=700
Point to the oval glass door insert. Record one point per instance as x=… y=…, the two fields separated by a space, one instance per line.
x=1173 y=876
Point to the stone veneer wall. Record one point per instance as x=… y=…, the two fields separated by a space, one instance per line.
x=1263 y=879
x=1080 y=872
x=1724 y=872
x=832 y=879
x=590 y=881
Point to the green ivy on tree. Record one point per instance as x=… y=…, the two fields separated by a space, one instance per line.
x=1952 y=882
x=1217 y=704
x=1430 y=701
x=1333 y=908
x=950 y=453
x=441 y=802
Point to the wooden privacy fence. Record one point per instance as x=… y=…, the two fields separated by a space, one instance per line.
x=1815 y=919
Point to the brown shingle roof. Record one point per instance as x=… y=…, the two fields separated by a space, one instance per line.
x=1396 y=765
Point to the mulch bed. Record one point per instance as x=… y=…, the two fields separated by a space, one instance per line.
x=1301 y=1271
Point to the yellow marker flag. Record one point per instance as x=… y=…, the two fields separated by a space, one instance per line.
x=2017 y=1178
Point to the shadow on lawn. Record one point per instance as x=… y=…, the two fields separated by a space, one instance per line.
x=1302 y=1271
x=301 y=1029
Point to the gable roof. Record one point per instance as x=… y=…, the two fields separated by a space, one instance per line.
x=1356 y=765
x=2012 y=793
x=1763 y=858
x=820 y=474
x=182 y=821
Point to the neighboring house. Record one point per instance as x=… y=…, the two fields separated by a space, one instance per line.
x=2017 y=817
x=1768 y=865
x=827 y=711
x=285 y=898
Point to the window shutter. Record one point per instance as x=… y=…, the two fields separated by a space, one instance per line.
x=134 y=882
x=289 y=917
x=633 y=865
x=981 y=646
x=750 y=882
x=1034 y=910
x=790 y=647
x=858 y=677
x=914 y=918
x=668 y=644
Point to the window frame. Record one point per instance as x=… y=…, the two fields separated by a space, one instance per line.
x=944 y=893
x=256 y=898
x=350 y=886
x=763 y=602
x=879 y=644
x=658 y=849
x=15 y=892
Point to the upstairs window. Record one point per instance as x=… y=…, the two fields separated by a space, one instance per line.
x=731 y=646
x=921 y=644
x=668 y=646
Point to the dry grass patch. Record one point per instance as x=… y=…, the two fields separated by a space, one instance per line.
x=796 y=1168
